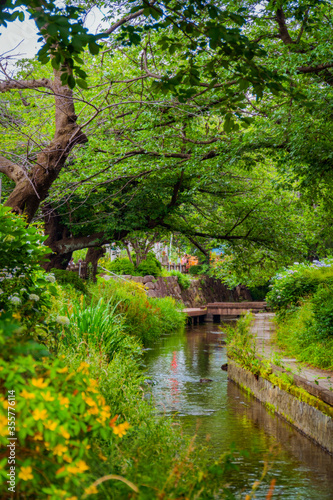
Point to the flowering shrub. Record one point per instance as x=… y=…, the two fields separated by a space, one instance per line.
x=61 y=417
x=24 y=287
x=298 y=281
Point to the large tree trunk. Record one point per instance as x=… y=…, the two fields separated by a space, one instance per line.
x=92 y=258
x=32 y=185
x=55 y=232
x=63 y=244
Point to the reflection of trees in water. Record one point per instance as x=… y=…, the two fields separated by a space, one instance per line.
x=181 y=360
x=300 y=466
x=266 y=430
x=200 y=345
x=198 y=351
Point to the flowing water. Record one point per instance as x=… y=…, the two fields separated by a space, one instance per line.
x=222 y=415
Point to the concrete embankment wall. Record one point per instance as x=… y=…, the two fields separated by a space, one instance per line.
x=308 y=419
x=201 y=291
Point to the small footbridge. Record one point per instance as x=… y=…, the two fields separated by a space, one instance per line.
x=216 y=310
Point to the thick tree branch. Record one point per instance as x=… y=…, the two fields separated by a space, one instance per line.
x=11 y=170
x=176 y=190
x=283 y=30
x=199 y=247
x=25 y=84
x=314 y=69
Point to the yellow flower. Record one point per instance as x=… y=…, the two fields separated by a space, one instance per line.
x=102 y=457
x=80 y=467
x=67 y=458
x=91 y=490
x=64 y=432
x=47 y=396
x=64 y=401
x=59 y=449
x=101 y=400
x=93 y=382
x=26 y=473
x=39 y=414
x=121 y=429
x=90 y=401
x=16 y=315
x=83 y=367
x=93 y=411
x=38 y=437
x=104 y=415
x=39 y=382
x=49 y=424
x=93 y=385
x=27 y=395
x=3 y=426
x=63 y=370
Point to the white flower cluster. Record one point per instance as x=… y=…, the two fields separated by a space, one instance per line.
x=34 y=297
x=323 y=263
x=7 y=274
x=14 y=299
x=62 y=320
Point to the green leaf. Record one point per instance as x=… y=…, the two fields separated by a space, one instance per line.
x=93 y=48
x=71 y=81
x=82 y=83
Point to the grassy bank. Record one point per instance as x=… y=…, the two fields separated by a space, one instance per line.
x=298 y=334
x=83 y=423
x=72 y=388
x=302 y=297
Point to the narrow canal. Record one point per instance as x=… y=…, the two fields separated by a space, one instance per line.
x=220 y=410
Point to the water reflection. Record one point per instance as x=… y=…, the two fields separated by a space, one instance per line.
x=219 y=409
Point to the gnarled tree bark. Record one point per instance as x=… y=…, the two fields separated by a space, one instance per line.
x=32 y=185
x=92 y=257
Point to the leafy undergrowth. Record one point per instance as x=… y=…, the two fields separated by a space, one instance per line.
x=72 y=390
x=298 y=336
x=302 y=297
x=85 y=430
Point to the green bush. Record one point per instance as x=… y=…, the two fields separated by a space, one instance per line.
x=152 y=257
x=148 y=267
x=322 y=302
x=183 y=280
x=25 y=289
x=122 y=266
x=195 y=270
x=298 y=335
x=258 y=292
x=297 y=282
x=70 y=278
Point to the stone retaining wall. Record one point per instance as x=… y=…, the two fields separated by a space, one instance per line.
x=201 y=291
x=309 y=420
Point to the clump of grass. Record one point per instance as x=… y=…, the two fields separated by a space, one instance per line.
x=298 y=335
x=97 y=326
x=143 y=317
